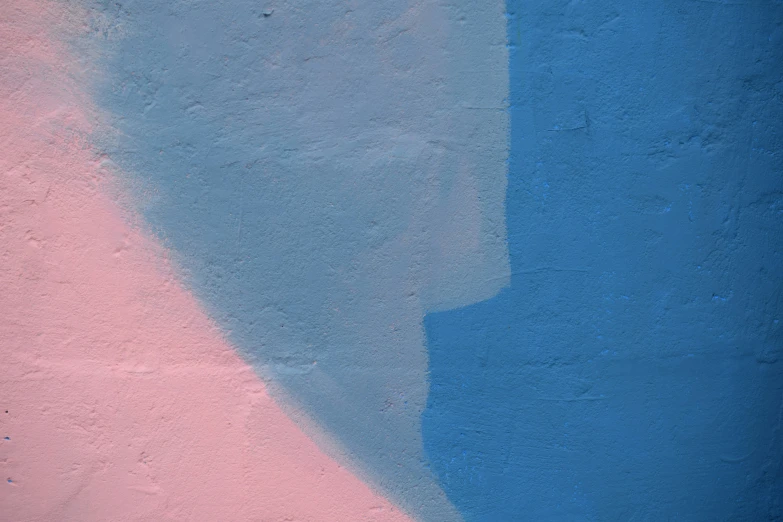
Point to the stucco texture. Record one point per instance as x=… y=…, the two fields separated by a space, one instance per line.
x=632 y=368
x=364 y=261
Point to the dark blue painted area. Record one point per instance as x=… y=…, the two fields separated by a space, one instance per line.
x=632 y=370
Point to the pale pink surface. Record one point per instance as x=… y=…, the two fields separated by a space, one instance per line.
x=124 y=402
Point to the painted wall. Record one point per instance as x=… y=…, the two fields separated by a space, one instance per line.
x=411 y=260
x=631 y=370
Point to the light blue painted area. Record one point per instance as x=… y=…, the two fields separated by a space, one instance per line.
x=324 y=172
x=632 y=370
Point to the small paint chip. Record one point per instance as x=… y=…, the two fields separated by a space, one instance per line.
x=268 y=12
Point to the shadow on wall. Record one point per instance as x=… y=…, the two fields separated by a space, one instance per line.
x=632 y=369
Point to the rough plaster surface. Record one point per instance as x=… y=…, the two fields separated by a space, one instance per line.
x=324 y=173
x=632 y=370
x=119 y=398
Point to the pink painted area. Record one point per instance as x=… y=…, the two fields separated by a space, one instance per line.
x=123 y=401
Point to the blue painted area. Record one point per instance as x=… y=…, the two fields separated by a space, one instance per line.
x=293 y=157
x=632 y=370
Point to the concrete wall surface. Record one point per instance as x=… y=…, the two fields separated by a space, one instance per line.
x=348 y=261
